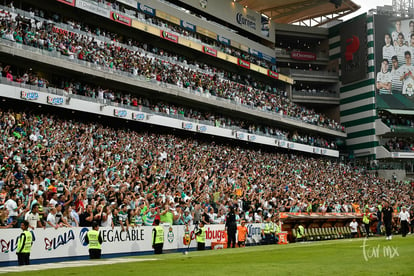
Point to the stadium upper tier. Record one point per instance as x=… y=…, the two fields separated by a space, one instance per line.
x=32 y=81
x=119 y=57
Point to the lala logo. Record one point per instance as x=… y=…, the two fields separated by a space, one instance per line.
x=7 y=246
x=11 y=245
x=60 y=240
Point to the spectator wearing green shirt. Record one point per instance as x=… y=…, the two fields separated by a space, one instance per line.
x=123 y=217
x=167 y=215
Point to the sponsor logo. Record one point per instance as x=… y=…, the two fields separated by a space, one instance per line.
x=187 y=125
x=170 y=235
x=122 y=113
x=201 y=128
x=82 y=236
x=32 y=96
x=188 y=26
x=217 y=235
x=55 y=100
x=135 y=234
x=169 y=36
x=352 y=46
x=59 y=241
x=240 y=135
x=247 y=20
x=209 y=51
x=120 y=18
x=69 y=2
x=11 y=245
x=253 y=230
x=218 y=246
x=203 y=3
x=146 y=9
x=62 y=31
x=254 y=52
x=187 y=236
x=272 y=74
x=251 y=137
x=138 y=116
x=92 y=8
x=303 y=55
x=244 y=63
x=223 y=40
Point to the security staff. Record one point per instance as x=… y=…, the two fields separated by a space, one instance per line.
x=231 y=228
x=300 y=233
x=94 y=239
x=201 y=237
x=24 y=244
x=158 y=237
x=366 y=219
x=276 y=229
x=267 y=228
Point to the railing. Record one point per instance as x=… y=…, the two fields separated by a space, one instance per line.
x=313 y=73
x=316 y=94
x=108 y=102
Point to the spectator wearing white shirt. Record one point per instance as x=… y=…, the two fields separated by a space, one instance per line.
x=33 y=217
x=12 y=207
x=51 y=219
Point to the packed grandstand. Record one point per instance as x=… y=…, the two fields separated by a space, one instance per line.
x=82 y=167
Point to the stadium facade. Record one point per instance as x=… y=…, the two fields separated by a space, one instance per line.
x=330 y=71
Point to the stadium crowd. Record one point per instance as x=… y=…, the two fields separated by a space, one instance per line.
x=79 y=172
x=400 y=144
x=143 y=62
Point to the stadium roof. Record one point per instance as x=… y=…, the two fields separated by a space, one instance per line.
x=302 y=12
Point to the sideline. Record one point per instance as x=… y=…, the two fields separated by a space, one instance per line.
x=36 y=267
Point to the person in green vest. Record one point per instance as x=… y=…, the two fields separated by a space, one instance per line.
x=157 y=237
x=300 y=232
x=276 y=228
x=94 y=239
x=201 y=237
x=366 y=219
x=266 y=228
x=24 y=244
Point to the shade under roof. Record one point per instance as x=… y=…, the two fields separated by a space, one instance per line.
x=293 y=11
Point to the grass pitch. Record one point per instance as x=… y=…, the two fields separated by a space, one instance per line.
x=373 y=256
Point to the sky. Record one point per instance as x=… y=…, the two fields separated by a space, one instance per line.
x=366 y=5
